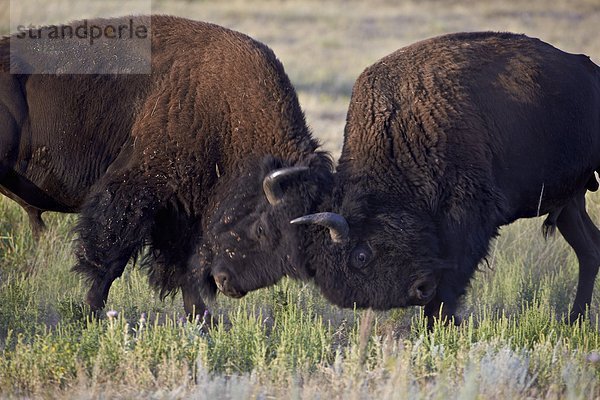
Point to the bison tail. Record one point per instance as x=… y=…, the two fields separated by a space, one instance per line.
x=549 y=225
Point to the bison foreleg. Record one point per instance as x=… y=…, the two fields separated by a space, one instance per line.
x=38 y=227
x=442 y=310
x=582 y=235
x=115 y=223
x=172 y=264
x=192 y=300
x=451 y=287
x=101 y=283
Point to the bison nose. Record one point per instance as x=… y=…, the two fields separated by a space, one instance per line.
x=423 y=290
x=221 y=279
x=226 y=284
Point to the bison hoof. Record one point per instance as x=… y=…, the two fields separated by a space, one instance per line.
x=575 y=317
x=95 y=302
x=207 y=321
x=446 y=320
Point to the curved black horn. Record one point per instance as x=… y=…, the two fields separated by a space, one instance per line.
x=338 y=227
x=272 y=182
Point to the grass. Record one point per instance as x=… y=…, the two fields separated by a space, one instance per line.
x=287 y=341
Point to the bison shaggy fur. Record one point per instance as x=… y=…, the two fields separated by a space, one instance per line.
x=446 y=140
x=142 y=156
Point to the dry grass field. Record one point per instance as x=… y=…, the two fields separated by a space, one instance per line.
x=286 y=341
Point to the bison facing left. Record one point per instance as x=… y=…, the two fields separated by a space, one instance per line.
x=446 y=140
x=141 y=156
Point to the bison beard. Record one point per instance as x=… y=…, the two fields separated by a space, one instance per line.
x=447 y=140
x=141 y=157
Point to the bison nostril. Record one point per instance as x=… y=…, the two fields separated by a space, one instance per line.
x=221 y=279
x=424 y=290
x=227 y=285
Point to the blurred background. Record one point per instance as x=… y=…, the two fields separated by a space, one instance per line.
x=324 y=45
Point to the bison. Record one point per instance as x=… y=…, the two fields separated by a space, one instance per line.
x=446 y=140
x=142 y=156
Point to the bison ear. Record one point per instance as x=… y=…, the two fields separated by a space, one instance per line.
x=272 y=183
x=337 y=224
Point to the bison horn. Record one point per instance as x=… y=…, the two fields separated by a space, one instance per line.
x=272 y=182
x=338 y=227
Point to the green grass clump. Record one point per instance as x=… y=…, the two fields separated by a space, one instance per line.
x=292 y=339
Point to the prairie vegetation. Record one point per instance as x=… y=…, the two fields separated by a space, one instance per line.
x=286 y=341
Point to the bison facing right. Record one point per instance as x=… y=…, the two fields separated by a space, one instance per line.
x=447 y=140
x=214 y=121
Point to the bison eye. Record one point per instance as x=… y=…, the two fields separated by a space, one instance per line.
x=257 y=230
x=361 y=256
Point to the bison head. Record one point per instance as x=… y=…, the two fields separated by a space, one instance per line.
x=247 y=231
x=380 y=254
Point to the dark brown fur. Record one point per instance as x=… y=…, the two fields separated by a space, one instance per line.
x=141 y=156
x=446 y=140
